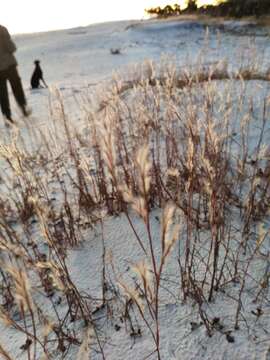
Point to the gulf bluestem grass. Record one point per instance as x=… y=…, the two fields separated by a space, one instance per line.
x=170 y=139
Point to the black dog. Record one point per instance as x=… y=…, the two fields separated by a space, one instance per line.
x=37 y=76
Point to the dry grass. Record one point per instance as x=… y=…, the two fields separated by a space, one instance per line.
x=168 y=139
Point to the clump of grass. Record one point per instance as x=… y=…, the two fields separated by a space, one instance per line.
x=167 y=139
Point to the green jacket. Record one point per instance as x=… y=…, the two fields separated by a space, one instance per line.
x=7 y=48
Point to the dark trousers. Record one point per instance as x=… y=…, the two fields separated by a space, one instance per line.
x=11 y=75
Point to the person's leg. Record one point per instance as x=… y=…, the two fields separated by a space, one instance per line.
x=4 y=100
x=16 y=85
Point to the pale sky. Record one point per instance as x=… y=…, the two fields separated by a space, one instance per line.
x=21 y=16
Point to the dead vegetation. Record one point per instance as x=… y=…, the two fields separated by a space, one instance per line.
x=173 y=140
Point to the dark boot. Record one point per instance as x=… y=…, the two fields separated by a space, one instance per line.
x=26 y=111
x=9 y=118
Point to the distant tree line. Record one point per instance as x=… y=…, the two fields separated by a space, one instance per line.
x=239 y=8
x=234 y=8
x=168 y=10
